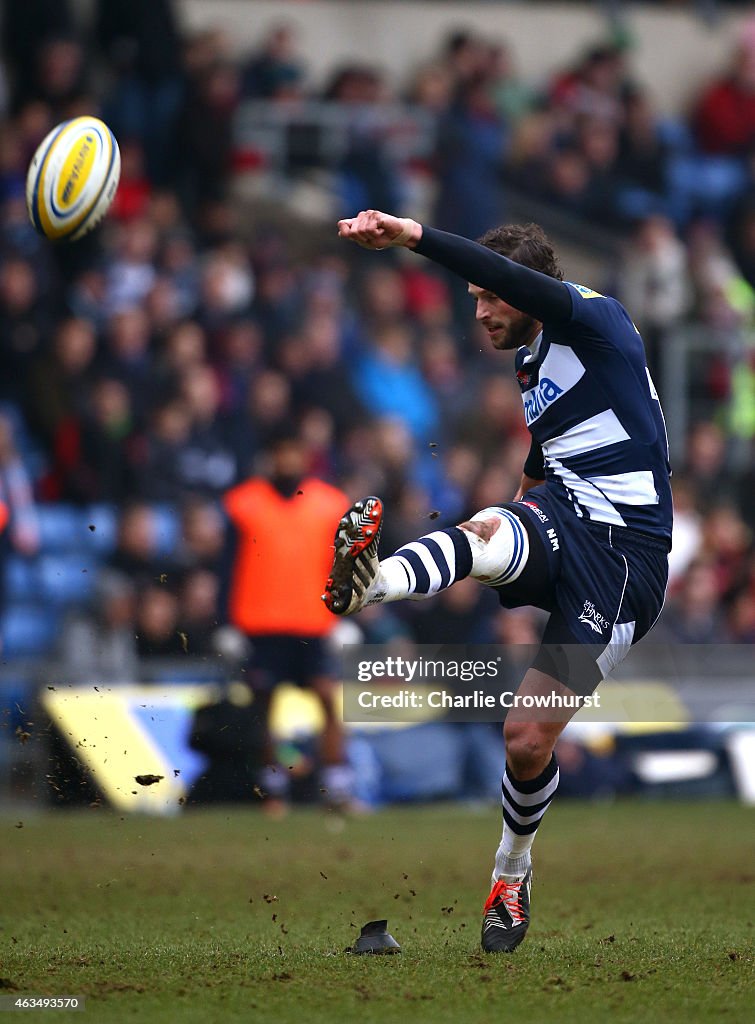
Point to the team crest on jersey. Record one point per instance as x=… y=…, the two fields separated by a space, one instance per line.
x=590 y=615
x=526 y=378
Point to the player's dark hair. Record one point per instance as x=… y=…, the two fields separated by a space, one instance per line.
x=527 y=244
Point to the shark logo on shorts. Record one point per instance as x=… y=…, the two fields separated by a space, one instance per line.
x=593 y=618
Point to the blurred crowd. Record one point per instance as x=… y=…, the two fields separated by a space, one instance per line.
x=150 y=366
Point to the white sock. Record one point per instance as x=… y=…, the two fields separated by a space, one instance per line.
x=524 y=804
x=513 y=856
x=390 y=584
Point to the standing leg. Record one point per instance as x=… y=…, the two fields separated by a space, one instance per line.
x=529 y=783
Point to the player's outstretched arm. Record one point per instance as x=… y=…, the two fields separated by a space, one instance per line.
x=536 y=294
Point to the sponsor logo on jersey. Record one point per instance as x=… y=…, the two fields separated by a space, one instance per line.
x=585 y=292
x=537 y=510
x=550 y=532
x=593 y=618
x=539 y=398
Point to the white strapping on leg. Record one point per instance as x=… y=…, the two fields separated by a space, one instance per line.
x=501 y=559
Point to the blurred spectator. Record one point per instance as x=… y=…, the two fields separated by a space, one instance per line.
x=141 y=42
x=654 y=285
x=158 y=633
x=742 y=618
x=100 y=644
x=96 y=454
x=594 y=86
x=21 y=533
x=134 y=188
x=687 y=532
x=726 y=543
x=136 y=550
x=706 y=461
x=693 y=615
x=724 y=118
x=166 y=439
x=208 y=463
x=60 y=78
x=275 y=594
x=199 y=614
x=472 y=140
x=513 y=96
x=205 y=128
x=238 y=358
x=60 y=380
x=27 y=28
x=644 y=146
x=389 y=383
x=267 y=412
x=128 y=356
x=227 y=287
x=202 y=544
x=275 y=70
x=367 y=176
x=24 y=322
x=132 y=274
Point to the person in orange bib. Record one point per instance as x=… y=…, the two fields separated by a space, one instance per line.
x=275 y=596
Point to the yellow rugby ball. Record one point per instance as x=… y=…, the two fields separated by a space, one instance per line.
x=72 y=178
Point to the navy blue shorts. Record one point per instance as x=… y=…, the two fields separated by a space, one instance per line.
x=605 y=588
x=287 y=659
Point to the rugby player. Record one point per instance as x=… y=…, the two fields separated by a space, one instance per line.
x=586 y=538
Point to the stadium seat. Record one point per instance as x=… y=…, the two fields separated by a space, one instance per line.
x=167 y=529
x=104 y=519
x=61 y=528
x=66 y=579
x=21 y=579
x=28 y=630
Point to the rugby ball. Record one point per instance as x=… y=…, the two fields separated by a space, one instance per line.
x=72 y=178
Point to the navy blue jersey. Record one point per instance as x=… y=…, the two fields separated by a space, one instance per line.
x=590 y=404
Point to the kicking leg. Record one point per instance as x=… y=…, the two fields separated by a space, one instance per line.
x=492 y=547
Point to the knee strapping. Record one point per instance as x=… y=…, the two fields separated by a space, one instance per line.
x=502 y=558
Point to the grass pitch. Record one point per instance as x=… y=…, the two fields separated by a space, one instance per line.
x=640 y=911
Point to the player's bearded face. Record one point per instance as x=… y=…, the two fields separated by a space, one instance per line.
x=507 y=328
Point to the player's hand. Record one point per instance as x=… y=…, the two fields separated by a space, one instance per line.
x=375 y=230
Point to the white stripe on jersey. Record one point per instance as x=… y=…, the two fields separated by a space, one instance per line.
x=597 y=432
x=599 y=494
x=559 y=372
x=636 y=488
x=589 y=497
